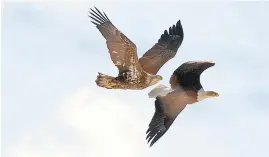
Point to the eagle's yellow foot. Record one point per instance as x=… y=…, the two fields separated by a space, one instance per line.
x=105 y=81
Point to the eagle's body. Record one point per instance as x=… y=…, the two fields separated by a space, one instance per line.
x=135 y=73
x=185 y=89
x=126 y=80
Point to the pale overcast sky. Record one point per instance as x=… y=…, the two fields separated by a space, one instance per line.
x=51 y=106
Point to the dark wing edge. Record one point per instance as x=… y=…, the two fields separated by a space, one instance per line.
x=173 y=39
x=103 y=22
x=187 y=75
x=159 y=124
x=194 y=66
x=98 y=18
x=164 y=50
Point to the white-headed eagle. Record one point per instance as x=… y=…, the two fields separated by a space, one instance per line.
x=135 y=73
x=185 y=89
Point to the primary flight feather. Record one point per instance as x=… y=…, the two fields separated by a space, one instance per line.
x=135 y=73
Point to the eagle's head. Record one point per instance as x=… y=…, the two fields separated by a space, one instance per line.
x=155 y=79
x=206 y=94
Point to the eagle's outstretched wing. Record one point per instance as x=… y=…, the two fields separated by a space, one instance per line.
x=167 y=109
x=122 y=50
x=164 y=50
x=187 y=75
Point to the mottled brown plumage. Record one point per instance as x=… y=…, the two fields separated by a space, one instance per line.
x=135 y=73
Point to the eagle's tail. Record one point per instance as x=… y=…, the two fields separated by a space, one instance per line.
x=160 y=90
x=106 y=81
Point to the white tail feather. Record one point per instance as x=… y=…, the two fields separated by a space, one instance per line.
x=160 y=90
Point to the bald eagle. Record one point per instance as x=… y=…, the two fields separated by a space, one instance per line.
x=134 y=73
x=185 y=88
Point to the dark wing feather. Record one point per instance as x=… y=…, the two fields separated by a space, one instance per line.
x=164 y=50
x=188 y=74
x=122 y=50
x=161 y=121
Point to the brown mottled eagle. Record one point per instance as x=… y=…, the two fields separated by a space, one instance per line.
x=135 y=73
x=185 y=89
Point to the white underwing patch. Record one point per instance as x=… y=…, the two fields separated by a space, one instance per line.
x=160 y=90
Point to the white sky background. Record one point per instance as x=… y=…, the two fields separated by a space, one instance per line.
x=51 y=106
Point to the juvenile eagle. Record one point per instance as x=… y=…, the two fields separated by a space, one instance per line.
x=134 y=73
x=185 y=89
